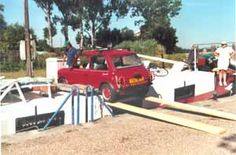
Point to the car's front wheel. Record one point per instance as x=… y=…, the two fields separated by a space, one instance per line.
x=108 y=93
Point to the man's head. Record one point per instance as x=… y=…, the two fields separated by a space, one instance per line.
x=194 y=46
x=67 y=44
x=223 y=44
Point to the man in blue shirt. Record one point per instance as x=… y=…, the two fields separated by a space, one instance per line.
x=71 y=54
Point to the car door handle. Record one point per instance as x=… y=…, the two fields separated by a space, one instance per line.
x=104 y=73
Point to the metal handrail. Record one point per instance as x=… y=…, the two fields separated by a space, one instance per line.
x=92 y=94
x=56 y=112
x=103 y=103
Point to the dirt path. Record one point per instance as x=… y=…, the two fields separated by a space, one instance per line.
x=130 y=134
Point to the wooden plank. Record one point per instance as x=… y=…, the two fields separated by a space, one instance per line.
x=192 y=108
x=169 y=118
x=157 y=59
x=67 y=87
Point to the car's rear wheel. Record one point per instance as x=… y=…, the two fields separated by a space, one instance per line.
x=108 y=93
x=62 y=80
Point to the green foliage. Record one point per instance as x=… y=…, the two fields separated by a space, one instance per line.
x=12 y=36
x=180 y=50
x=2 y=21
x=40 y=62
x=166 y=36
x=46 y=33
x=127 y=34
x=43 y=46
x=156 y=20
x=12 y=66
x=106 y=36
x=68 y=17
x=148 y=47
x=155 y=11
x=177 y=56
x=47 y=7
x=88 y=15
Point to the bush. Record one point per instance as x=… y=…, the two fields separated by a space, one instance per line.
x=147 y=47
x=40 y=61
x=9 y=66
x=43 y=46
x=177 y=56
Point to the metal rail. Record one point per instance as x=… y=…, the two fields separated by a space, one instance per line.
x=89 y=92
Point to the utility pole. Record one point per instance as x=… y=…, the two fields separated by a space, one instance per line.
x=27 y=40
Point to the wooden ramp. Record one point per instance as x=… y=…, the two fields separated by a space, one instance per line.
x=192 y=108
x=169 y=118
x=68 y=87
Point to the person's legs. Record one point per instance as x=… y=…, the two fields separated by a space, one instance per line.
x=220 y=77
x=224 y=77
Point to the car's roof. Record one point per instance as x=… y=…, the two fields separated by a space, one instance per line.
x=108 y=52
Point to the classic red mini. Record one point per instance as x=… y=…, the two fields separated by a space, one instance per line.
x=114 y=72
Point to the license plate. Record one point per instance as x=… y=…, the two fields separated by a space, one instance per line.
x=136 y=80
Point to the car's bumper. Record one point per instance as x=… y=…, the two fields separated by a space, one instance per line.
x=138 y=90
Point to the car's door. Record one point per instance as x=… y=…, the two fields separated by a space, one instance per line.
x=79 y=75
x=98 y=71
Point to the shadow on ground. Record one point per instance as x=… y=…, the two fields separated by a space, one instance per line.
x=229 y=143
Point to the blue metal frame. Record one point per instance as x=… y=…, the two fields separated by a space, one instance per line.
x=55 y=113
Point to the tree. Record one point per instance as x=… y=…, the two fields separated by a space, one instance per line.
x=115 y=36
x=127 y=34
x=105 y=37
x=156 y=20
x=42 y=45
x=155 y=11
x=88 y=15
x=13 y=34
x=65 y=7
x=47 y=7
x=99 y=13
x=2 y=21
x=46 y=33
x=166 y=36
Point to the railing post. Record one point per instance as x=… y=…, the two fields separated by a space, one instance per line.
x=86 y=104
x=92 y=104
x=78 y=105
x=72 y=108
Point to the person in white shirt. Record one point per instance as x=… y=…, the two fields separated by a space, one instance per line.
x=223 y=54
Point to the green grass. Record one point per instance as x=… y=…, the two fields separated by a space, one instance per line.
x=22 y=73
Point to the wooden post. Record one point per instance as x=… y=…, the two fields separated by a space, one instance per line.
x=27 y=40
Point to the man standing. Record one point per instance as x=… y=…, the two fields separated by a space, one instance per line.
x=70 y=55
x=223 y=53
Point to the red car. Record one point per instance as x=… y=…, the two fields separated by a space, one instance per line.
x=112 y=71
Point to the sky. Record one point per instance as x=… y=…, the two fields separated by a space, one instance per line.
x=199 y=21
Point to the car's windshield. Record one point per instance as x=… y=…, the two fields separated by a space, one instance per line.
x=126 y=61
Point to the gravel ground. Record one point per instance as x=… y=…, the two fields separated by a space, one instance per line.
x=131 y=134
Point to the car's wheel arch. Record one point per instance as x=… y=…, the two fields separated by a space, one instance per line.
x=62 y=78
x=104 y=83
x=113 y=93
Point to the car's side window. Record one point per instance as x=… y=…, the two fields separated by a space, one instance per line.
x=98 y=63
x=83 y=62
x=117 y=61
